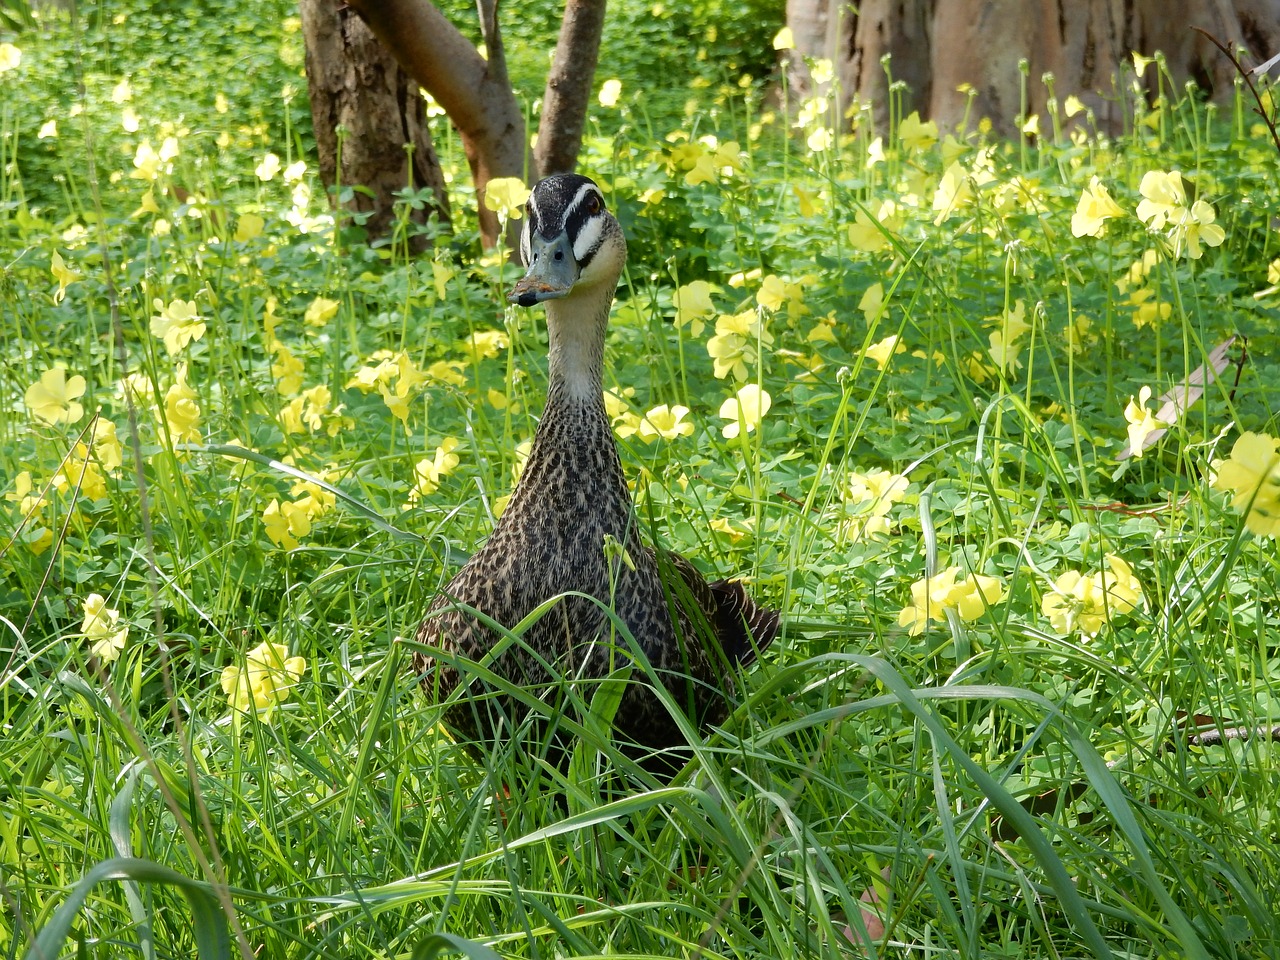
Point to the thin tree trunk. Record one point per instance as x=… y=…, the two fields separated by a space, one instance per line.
x=568 y=92
x=354 y=83
x=474 y=92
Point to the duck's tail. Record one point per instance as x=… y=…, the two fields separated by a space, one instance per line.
x=745 y=627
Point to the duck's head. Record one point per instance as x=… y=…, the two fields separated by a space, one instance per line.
x=570 y=241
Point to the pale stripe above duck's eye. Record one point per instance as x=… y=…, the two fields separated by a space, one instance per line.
x=587 y=239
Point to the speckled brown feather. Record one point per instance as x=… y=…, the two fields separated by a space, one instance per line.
x=550 y=540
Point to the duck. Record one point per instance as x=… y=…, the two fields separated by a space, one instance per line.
x=570 y=531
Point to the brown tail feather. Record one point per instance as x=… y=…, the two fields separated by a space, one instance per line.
x=746 y=628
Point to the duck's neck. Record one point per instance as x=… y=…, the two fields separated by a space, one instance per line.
x=575 y=332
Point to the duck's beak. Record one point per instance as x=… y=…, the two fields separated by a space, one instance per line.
x=552 y=271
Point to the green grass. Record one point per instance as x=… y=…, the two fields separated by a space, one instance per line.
x=998 y=785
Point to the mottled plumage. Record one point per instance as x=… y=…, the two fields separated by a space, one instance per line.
x=572 y=497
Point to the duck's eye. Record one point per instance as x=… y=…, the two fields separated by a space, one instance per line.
x=593 y=205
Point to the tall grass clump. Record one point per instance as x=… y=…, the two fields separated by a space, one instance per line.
x=993 y=423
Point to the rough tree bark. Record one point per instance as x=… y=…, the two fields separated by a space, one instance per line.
x=937 y=45
x=355 y=83
x=475 y=92
x=568 y=92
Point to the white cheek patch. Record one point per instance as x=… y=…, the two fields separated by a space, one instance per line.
x=526 y=250
x=588 y=238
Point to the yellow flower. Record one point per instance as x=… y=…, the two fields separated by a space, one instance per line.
x=317 y=401
x=427 y=474
x=736 y=343
x=290 y=417
x=268 y=167
x=447 y=371
x=484 y=344
x=29 y=504
x=880 y=487
x=784 y=39
x=320 y=311
x=286 y=523
x=1195 y=226
x=409 y=376
x=1165 y=203
x=917 y=135
x=248 y=227
x=287 y=370
x=881 y=352
x=181 y=411
x=1146 y=312
x=265 y=681
x=665 y=422
x=866 y=234
x=53 y=397
x=63 y=274
x=10 y=57
x=610 y=90
x=808 y=200
x=177 y=324
x=1142 y=422
x=745 y=409
x=772 y=293
x=931 y=597
x=693 y=302
x=1273 y=272
x=48 y=131
x=149 y=163
x=506 y=195
x=122 y=92
x=955 y=191
x=398 y=405
x=871 y=302
x=1003 y=352
x=1087 y=603
x=1252 y=475
x=375 y=376
x=1093 y=211
x=1072 y=105
x=102 y=627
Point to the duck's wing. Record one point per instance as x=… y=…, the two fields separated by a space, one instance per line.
x=743 y=627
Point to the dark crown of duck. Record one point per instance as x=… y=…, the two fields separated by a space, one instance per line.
x=572 y=499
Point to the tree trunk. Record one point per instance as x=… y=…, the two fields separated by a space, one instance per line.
x=935 y=46
x=475 y=92
x=568 y=92
x=808 y=22
x=354 y=83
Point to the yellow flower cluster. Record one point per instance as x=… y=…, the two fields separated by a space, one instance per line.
x=102 y=628
x=288 y=521
x=85 y=465
x=872 y=495
x=265 y=680
x=1086 y=603
x=932 y=597
x=35 y=535
x=735 y=347
x=1252 y=475
x=177 y=324
x=706 y=160
x=427 y=474
x=397 y=378
x=1164 y=203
